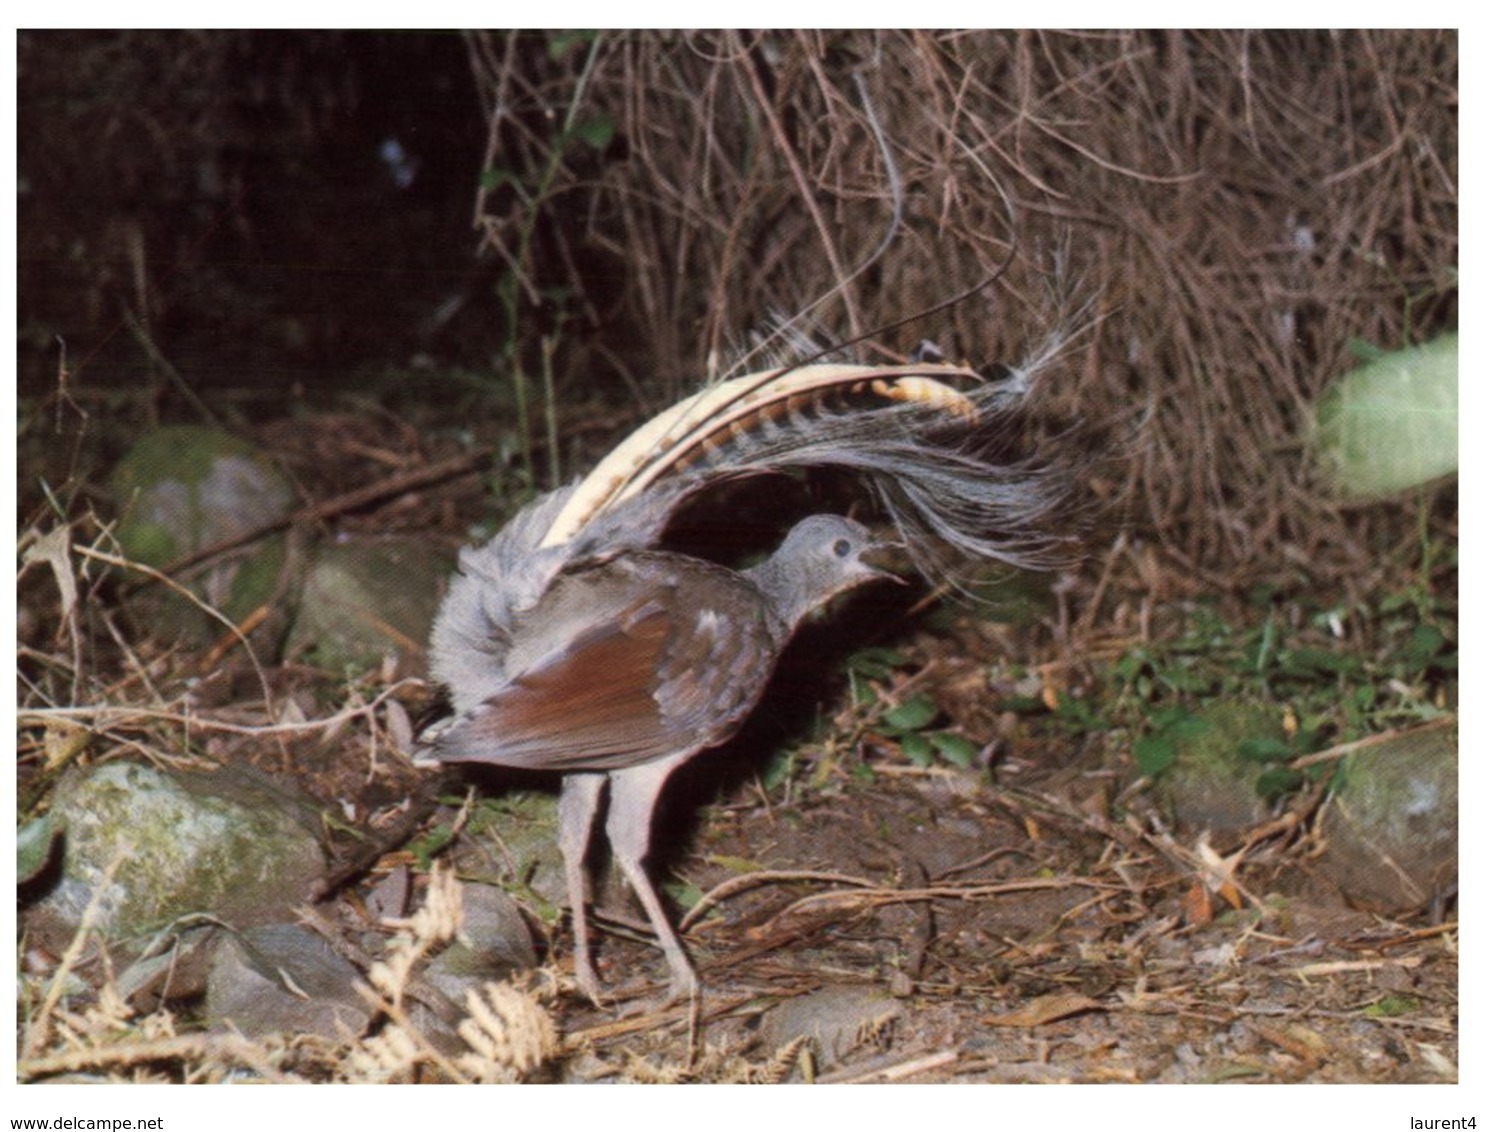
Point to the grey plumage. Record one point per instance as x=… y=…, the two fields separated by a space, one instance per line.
x=570 y=643
x=624 y=669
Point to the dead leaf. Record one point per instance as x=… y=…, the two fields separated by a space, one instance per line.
x=1047 y=1008
x=54 y=548
x=1197 y=905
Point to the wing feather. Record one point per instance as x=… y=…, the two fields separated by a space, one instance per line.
x=638 y=659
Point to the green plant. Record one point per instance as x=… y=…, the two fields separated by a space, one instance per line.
x=1330 y=673
x=910 y=722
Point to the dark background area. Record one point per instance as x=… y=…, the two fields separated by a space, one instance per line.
x=580 y=228
x=228 y=193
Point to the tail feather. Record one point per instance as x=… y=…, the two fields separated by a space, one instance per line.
x=935 y=455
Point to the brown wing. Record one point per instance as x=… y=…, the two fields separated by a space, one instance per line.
x=640 y=658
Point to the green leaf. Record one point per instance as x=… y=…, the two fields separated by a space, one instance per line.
x=1392 y=1006
x=1424 y=643
x=911 y=715
x=876 y=663
x=1070 y=710
x=1265 y=750
x=1154 y=753
x=1278 y=781
x=917 y=750
x=33 y=847
x=955 y=749
x=596 y=132
x=777 y=770
x=1178 y=722
x=427 y=847
x=683 y=893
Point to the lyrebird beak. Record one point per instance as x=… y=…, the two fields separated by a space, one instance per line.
x=888 y=560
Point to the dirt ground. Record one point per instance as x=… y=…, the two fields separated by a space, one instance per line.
x=935 y=928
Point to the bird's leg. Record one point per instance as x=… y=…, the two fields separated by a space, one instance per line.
x=578 y=802
x=632 y=799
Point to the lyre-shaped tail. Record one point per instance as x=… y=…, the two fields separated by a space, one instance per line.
x=930 y=441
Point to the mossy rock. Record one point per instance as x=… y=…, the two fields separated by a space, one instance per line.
x=1212 y=783
x=1391 y=824
x=163 y=844
x=366 y=598
x=182 y=488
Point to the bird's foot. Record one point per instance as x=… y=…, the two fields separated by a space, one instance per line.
x=635 y=998
x=680 y=993
x=684 y=987
x=587 y=980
